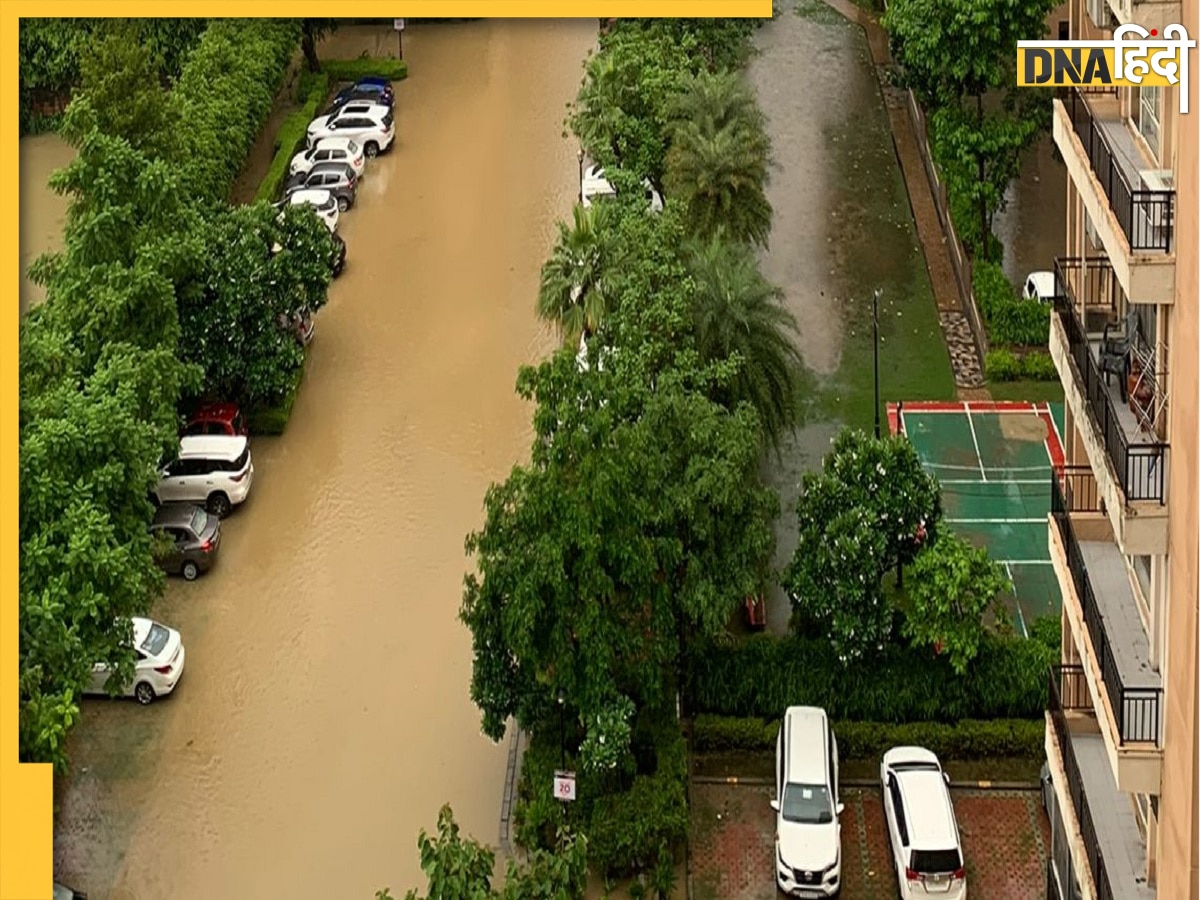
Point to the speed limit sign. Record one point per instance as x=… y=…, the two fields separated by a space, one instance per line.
x=564 y=786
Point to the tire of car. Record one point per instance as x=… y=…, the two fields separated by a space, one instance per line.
x=190 y=571
x=343 y=203
x=371 y=149
x=218 y=504
x=143 y=693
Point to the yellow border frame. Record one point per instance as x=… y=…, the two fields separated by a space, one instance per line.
x=26 y=791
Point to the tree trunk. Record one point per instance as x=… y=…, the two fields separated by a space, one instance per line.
x=308 y=45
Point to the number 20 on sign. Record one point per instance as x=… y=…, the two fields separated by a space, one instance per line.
x=564 y=786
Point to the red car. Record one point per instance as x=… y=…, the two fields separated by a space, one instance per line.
x=216 y=418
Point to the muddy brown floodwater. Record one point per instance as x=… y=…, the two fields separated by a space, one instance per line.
x=324 y=716
x=43 y=212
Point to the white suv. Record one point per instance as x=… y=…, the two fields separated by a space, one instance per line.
x=212 y=469
x=371 y=125
x=808 y=835
x=926 y=849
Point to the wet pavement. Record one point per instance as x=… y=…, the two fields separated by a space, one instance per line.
x=1005 y=837
x=324 y=716
x=1033 y=227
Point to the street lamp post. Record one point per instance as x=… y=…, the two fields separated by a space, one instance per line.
x=579 y=156
x=875 y=344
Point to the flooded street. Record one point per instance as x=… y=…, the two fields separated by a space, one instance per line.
x=43 y=212
x=324 y=716
x=1034 y=225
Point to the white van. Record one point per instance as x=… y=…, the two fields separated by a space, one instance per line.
x=808 y=834
x=923 y=832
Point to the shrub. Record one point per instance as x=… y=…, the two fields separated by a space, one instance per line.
x=292 y=133
x=1009 y=320
x=365 y=67
x=1002 y=365
x=967 y=739
x=1048 y=630
x=273 y=419
x=225 y=93
x=763 y=674
x=1038 y=365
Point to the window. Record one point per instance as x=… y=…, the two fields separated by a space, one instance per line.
x=808 y=803
x=898 y=808
x=936 y=862
x=1146 y=105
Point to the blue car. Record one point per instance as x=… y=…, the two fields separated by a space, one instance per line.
x=374 y=90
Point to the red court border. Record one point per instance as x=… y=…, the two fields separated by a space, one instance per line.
x=1041 y=410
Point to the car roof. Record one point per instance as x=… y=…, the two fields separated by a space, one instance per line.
x=212 y=445
x=362 y=108
x=333 y=142
x=1043 y=283
x=141 y=628
x=175 y=514
x=927 y=807
x=318 y=196
x=807 y=753
x=340 y=167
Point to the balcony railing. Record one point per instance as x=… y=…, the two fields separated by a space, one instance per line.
x=1140 y=466
x=1137 y=709
x=1146 y=217
x=1064 y=681
x=1080 y=493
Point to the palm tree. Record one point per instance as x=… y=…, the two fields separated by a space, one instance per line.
x=719 y=162
x=736 y=310
x=576 y=286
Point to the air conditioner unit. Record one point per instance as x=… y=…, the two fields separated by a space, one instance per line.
x=1100 y=14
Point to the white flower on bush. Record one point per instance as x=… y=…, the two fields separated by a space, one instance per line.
x=608 y=736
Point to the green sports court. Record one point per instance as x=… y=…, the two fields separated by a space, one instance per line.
x=994 y=461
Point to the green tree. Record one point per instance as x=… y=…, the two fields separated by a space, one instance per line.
x=576 y=279
x=737 y=311
x=639 y=522
x=262 y=267
x=312 y=30
x=870 y=510
x=954 y=587
x=952 y=54
x=719 y=161
x=458 y=868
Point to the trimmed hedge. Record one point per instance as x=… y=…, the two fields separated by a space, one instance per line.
x=1008 y=319
x=764 y=674
x=1004 y=365
x=272 y=420
x=968 y=739
x=365 y=67
x=291 y=135
x=225 y=92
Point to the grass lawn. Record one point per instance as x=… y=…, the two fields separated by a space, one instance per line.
x=1033 y=391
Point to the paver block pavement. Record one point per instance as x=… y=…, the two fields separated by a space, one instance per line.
x=1005 y=838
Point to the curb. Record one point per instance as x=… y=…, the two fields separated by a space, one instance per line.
x=864 y=783
x=511 y=776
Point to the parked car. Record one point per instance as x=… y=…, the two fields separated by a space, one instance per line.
x=337 y=178
x=370 y=125
x=62 y=892
x=337 y=256
x=808 y=836
x=1039 y=286
x=300 y=324
x=330 y=150
x=216 y=418
x=926 y=849
x=595 y=185
x=213 y=470
x=157 y=665
x=187 y=539
x=322 y=202
x=372 y=90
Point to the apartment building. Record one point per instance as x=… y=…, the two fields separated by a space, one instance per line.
x=1121 y=728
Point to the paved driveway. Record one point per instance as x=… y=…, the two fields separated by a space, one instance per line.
x=1005 y=839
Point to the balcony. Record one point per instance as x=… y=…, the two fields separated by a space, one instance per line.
x=1109 y=635
x=1129 y=198
x=1129 y=458
x=1108 y=852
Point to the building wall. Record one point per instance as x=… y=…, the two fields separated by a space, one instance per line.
x=1179 y=857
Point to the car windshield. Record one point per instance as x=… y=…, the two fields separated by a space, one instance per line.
x=936 y=862
x=807 y=803
x=199 y=520
x=155 y=640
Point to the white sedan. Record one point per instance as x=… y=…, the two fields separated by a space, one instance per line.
x=330 y=150
x=158 y=663
x=323 y=202
x=596 y=185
